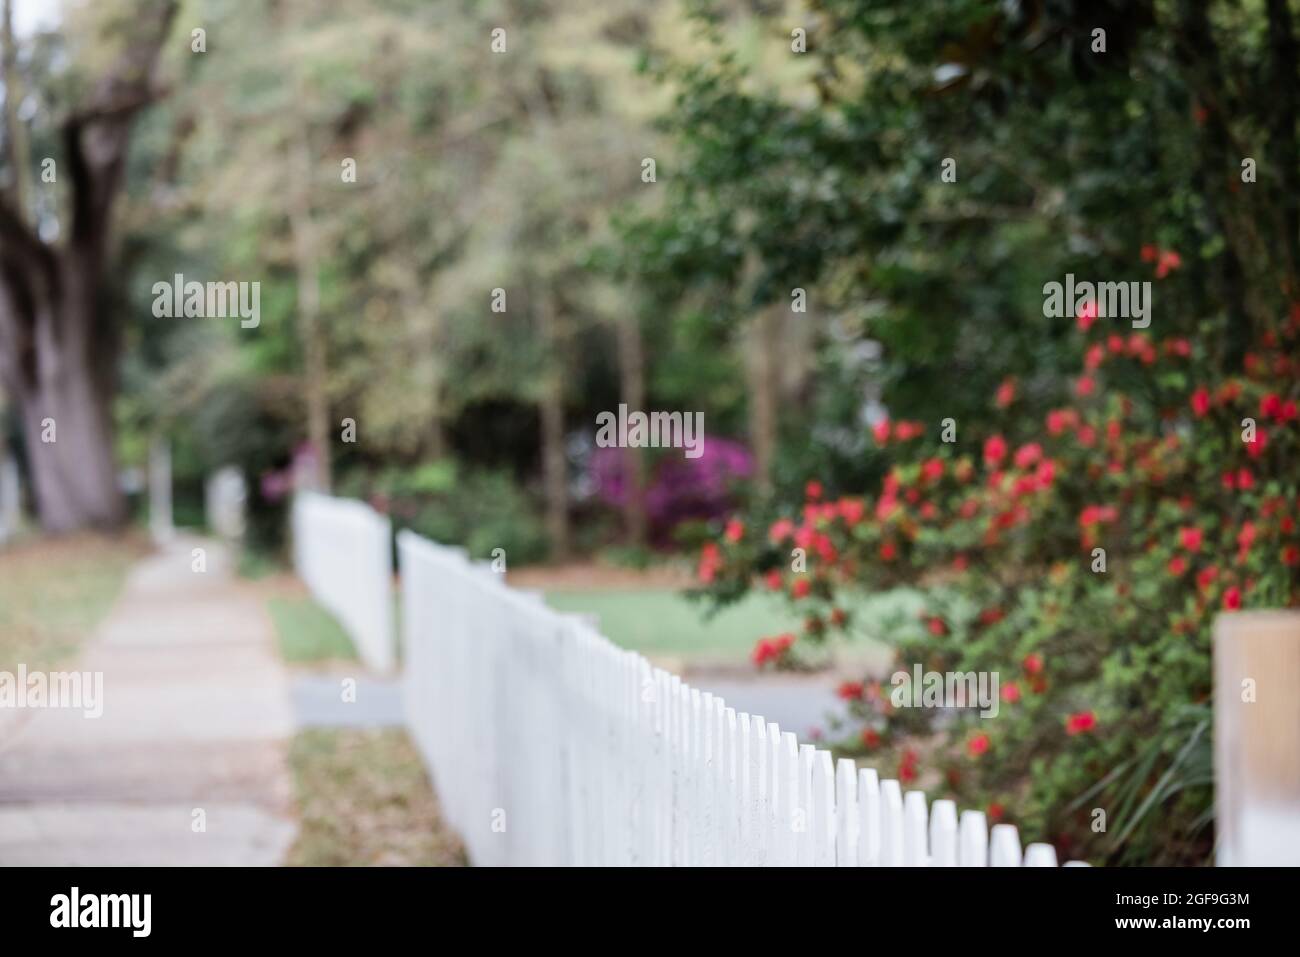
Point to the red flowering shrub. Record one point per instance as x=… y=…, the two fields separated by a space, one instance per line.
x=1103 y=657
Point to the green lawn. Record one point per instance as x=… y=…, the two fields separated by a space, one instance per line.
x=364 y=799
x=662 y=622
x=307 y=633
x=54 y=592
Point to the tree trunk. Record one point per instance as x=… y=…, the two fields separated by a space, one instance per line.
x=58 y=346
x=551 y=406
x=1283 y=148
x=763 y=387
x=310 y=334
x=69 y=440
x=15 y=129
x=631 y=368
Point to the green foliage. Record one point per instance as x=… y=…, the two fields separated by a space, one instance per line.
x=1103 y=656
x=478 y=510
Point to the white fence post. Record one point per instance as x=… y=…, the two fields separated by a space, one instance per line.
x=1257 y=738
x=160 y=491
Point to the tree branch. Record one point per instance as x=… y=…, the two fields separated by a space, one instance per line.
x=97 y=134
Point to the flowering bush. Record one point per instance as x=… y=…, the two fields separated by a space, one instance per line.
x=679 y=488
x=1082 y=555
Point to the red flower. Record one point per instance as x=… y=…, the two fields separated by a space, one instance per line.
x=1201 y=402
x=907 y=767
x=1270 y=406
x=800 y=588
x=769 y=649
x=710 y=562
x=1256 y=445
x=850 y=690
x=1084 y=386
x=1033 y=663
x=1245 y=539
x=1149 y=253
x=908 y=430
x=932 y=470
x=781 y=530
x=852 y=510
x=991 y=616
x=1177 y=565
x=1010 y=692
x=995 y=812
x=1086 y=316
x=870 y=737
x=838 y=617
x=995 y=450
x=1028 y=455
x=1291 y=555
x=1206 y=576
x=936 y=626
x=1058 y=420
x=977 y=745
x=960 y=563
x=735 y=530
x=1232 y=598
x=773 y=580
x=888 y=551
x=1190 y=538
x=813 y=491
x=1167 y=263
x=1081 y=722
x=1245 y=479
x=1006 y=393
x=880 y=431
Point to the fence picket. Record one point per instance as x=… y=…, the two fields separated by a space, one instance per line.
x=915 y=825
x=1040 y=855
x=891 y=824
x=869 y=818
x=758 y=752
x=974 y=840
x=846 y=810
x=1004 y=846
x=788 y=799
x=805 y=835
x=824 y=817
x=943 y=834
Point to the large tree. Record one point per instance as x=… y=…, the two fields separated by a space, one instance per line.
x=58 y=342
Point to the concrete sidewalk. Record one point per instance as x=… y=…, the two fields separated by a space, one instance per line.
x=196 y=717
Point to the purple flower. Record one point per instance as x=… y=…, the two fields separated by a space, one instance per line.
x=678 y=488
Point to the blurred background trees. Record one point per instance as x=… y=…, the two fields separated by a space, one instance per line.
x=477 y=225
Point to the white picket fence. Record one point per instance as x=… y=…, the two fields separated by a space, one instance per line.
x=342 y=549
x=549 y=745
